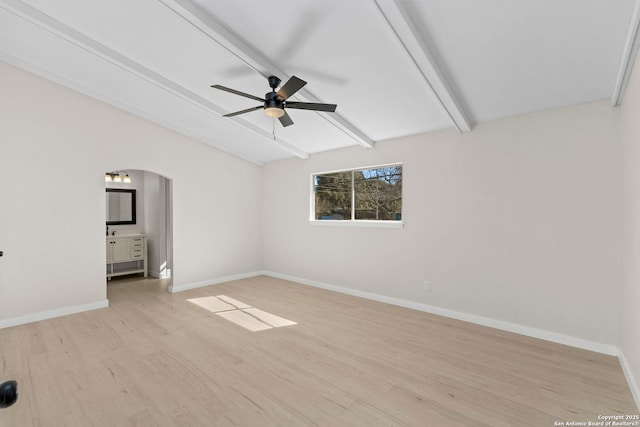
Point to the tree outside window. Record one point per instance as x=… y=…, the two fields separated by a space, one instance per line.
x=372 y=194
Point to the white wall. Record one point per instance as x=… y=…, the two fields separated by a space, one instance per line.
x=630 y=302
x=54 y=241
x=518 y=221
x=155 y=220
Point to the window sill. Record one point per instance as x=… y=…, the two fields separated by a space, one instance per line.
x=360 y=223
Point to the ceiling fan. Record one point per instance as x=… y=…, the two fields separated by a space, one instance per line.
x=275 y=103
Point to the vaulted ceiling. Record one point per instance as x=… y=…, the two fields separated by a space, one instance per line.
x=394 y=67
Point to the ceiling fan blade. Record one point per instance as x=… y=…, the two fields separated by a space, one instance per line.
x=285 y=120
x=248 y=110
x=292 y=85
x=237 y=92
x=330 y=108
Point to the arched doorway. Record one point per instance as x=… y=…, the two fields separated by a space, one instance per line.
x=139 y=210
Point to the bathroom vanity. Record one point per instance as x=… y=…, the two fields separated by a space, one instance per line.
x=126 y=254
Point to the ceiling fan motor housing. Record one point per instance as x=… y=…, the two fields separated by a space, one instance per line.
x=271 y=100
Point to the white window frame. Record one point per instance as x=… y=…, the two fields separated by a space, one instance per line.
x=352 y=222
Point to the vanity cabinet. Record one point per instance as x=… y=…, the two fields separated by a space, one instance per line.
x=126 y=255
x=117 y=250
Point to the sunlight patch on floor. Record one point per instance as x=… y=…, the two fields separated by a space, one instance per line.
x=233 y=302
x=268 y=318
x=245 y=320
x=213 y=304
x=241 y=314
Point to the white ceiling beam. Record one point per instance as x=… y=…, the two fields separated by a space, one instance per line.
x=628 y=57
x=404 y=28
x=254 y=59
x=67 y=33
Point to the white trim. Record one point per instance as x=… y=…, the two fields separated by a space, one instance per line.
x=479 y=320
x=216 y=281
x=404 y=27
x=472 y=318
x=356 y=223
x=359 y=168
x=350 y=222
x=628 y=57
x=157 y=275
x=59 y=312
x=628 y=373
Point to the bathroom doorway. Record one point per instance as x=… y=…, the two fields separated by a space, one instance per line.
x=150 y=218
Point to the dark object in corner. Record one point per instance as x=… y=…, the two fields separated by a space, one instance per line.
x=8 y=393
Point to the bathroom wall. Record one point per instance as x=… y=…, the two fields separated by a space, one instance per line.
x=156 y=224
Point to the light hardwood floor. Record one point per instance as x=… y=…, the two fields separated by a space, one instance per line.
x=154 y=359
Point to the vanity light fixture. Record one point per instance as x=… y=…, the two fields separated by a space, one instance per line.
x=117 y=177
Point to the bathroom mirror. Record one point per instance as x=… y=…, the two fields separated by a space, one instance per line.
x=121 y=206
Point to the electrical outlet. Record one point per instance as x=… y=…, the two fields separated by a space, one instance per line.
x=427 y=285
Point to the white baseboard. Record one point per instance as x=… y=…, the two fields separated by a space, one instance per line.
x=472 y=318
x=158 y=274
x=628 y=373
x=485 y=321
x=480 y=320
x=179 y=288
x=59 y=312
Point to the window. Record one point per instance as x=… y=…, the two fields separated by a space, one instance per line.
x=371 y=194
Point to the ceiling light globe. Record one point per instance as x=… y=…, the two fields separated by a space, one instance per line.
x=274 y=112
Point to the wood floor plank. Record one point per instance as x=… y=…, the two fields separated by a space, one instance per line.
x=155 y=359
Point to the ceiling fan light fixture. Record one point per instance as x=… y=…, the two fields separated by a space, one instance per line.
x=274 y=112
